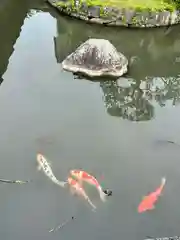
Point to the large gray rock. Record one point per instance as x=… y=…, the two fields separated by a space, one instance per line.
x=96 y=57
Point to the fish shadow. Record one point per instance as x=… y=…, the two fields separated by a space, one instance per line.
x=165 y=143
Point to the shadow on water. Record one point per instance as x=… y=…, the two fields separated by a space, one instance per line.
x=81 y=76
x=153 y=75
x=12 y=16
x=13 y=28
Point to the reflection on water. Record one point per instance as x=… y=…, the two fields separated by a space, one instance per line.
x=9 y=37
x=150 y=52
x=135 y=101
x=153 y=66
x=128 y=103
x=45 y=109
x=10 y=27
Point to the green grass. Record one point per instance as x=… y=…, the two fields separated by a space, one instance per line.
x=151 y=5
x=134 y=4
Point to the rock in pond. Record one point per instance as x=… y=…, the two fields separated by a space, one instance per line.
x=96 y=58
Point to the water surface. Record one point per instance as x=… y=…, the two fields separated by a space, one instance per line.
x=108 y=128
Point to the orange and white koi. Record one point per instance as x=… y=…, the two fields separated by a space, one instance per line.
x=86 y=177
x=77 y=189
x=149 y=201
x=44 y=165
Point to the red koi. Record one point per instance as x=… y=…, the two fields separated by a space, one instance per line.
x=149 y=201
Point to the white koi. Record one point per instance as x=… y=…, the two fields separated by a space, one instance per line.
x=44 y=165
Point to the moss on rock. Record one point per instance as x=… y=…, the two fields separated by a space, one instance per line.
x=139 y=5
x=135 y=13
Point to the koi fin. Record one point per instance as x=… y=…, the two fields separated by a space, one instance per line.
x=39 y=168
x=93 y=209
x=89 y=201
x=80 y=181
x=62 y=184
x=152 y=207
x=50 y=163
x=91 y=204
x=73 y=191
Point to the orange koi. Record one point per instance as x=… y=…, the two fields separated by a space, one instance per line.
x=76 y=188
x=149 y=201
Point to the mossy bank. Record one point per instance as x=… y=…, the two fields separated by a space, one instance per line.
x=129 y=13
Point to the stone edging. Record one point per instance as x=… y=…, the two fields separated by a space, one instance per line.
x=117 y=17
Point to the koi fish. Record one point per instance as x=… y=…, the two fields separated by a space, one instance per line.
x=76 y=188
x=45 y=166
x=86 y=177
x=162 y=238
x=14 y=181
x=61 y=225
x=149 y=201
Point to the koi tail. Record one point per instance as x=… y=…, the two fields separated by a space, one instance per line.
x=89 y=201
x=38 y=168
x=61 y=184
x=163 y=181
x=102 y=195
x=92 y=205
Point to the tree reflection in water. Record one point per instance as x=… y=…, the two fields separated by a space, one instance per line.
x=135 y=101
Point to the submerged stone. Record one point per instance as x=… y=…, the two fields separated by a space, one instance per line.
x=96 y=57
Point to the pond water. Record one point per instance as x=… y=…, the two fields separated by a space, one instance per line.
x=114 y=130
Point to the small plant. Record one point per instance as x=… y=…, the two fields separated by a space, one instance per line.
x=177 y=3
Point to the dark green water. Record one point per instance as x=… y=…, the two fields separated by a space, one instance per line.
x=110 y=129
